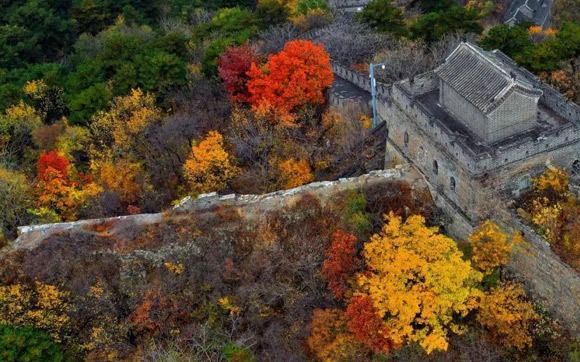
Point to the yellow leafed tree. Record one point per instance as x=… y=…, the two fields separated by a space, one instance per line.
x=209 y=166
x=42 y=306
x=507 y=315
x=553 y=179
x=491 y=246
x=295 y=173
x=416 y=276
x=117 y=131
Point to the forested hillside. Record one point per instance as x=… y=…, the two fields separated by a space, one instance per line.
x=124 y=107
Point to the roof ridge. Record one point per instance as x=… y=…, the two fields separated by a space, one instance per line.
x=511 y=81
x=480 y=53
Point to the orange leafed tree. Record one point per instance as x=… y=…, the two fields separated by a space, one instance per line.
x=295 y=173
x=59 y=188
x=330 y=339
x=52 y=163
x=340 y=263
x=295 y=77
x=366 y=325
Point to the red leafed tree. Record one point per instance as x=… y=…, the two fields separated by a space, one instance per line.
x=51 y=164
x=296 y=76
x=233 y=67
x=341 y=262
x=366 y=326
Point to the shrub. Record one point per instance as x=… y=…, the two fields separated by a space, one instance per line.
x=383 y=16
x=272 y=12
x=15 y=200
x=433 y=26
x=27 y=344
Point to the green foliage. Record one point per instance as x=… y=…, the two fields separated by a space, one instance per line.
x=304 y=6
x=383 y=16
x=356 y=217
x=25 y=344
x=231 y=21
x=429 y=6
x=12 y=81
x=229 y=26
x=215 y=49
x=431 y=27
x=491 y=280
x=234 y=353
x=120 y=59
x=15 y=200
x=44 y=26
x=547 y=55
x=271 y=12
x=512 y=40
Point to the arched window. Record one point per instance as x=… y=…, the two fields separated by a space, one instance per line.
x=452 y=183
x=406 y=139
x=435 y=167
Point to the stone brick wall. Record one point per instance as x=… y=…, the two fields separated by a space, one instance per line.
x=30 y=236
x=410 y=137
x=517 y=114
x=340 y=4
x=464 y=111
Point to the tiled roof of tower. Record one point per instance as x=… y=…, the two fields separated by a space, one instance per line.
x=536 y=11
x=479 y=78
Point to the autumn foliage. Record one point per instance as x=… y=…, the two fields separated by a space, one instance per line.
x=59 y=190
x=491 y=246
x=554 y=211
x=209 y=166
x=330 y=339
x=233 y=67
x=508 y=316
x=367 y=326
x=340 y=263
x=52 y=164
x=293 y=78
x=295 y=172
x=417 y=276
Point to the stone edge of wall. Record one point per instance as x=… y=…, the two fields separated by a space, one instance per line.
x=31 y=235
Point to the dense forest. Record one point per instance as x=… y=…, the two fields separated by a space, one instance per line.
x=112 y=108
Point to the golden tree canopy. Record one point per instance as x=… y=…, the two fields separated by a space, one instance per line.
x=507 y=315
x=417 y=277
x=209 y=166
x=491 y=246
x=117 y=130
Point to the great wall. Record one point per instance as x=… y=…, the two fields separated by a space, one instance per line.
x=552 y=282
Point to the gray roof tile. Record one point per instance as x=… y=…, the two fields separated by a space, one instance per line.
x=480 y=78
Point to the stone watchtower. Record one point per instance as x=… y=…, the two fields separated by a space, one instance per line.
x=479 y=124
x=491 y=102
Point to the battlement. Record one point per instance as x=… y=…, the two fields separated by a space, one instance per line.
x=419 y=100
